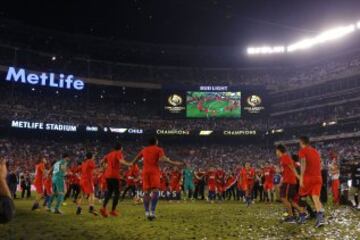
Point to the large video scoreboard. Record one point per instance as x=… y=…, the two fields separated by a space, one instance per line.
x=208 y=101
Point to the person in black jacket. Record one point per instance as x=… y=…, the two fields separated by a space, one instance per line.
x=12 y=181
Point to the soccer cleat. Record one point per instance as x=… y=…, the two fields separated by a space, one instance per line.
x=290 y=220
x=35 y=206
x=152 y=216
x=57 y=211
x=93 y=212
x=114 y=213
x=302 y=218
x=78 y=210
x=320 y=220
x=103 y=212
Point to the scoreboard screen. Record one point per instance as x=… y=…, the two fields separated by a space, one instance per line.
x=213 y=104
x=196 y=102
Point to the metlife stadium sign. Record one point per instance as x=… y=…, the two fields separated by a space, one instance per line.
x=44 y=79
x=43 y=126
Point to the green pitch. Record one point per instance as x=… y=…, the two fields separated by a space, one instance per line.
x=213 y=105
x=186 y=220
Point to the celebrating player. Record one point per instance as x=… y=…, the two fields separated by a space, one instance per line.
x=151 y=156
x=269 y=172
x=335 y=182
x=87 y=184
x=288 y=187
x=38 y=182
x=310 y=177
x=112 y=162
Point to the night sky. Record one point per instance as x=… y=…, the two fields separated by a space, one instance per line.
x=191 y=22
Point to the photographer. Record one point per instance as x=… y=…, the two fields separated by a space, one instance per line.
x=7 y=208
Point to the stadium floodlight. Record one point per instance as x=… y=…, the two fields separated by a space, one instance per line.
x=265 y=50
x=326 y=36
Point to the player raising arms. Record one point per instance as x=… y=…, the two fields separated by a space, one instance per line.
x=310 y=176
x=87 y=184
x=112 y=162
x=39 y=182
x=151 y=156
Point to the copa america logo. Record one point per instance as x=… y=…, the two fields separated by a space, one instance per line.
x=175 y=100
x=254 y=100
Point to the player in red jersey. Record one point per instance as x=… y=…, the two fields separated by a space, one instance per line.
x=211 y=180
x=310 y=177
x=247 y=175
x=163 y=181
x=230 y=185
x=87 y=184
x=131 y=174
x=269 y=172
x=151 y=156
x=220 y=183
x=288 y=189
x=112 y=162
x=335 y=182
x=175 y=183
x=47 y=187
x=73 y=182
x=40 y=172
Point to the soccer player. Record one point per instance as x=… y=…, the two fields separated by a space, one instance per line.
x=175 y=183
x=335 y=182
x=310 y=177
x=288 y=187
x=189 y=186
x=220 y=183
x=58 y=183
x=247 y=175
x=87 y=184
x=48 y=188
x=211 y=180
x=38 y=182
x=269 y=172
x=112 y=162
x=151 y=156
x=131 y=175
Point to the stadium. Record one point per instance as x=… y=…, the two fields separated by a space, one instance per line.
x=178 y=120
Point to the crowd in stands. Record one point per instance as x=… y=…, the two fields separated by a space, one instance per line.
x=137 y=110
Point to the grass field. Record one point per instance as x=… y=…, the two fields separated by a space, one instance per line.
x=190 y=220
x=218 y=106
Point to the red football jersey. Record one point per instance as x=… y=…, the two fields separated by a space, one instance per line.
x=151 y=156
x=211 y=177
x=113 y=164
x=175 y=178
x=288 y=175
x=269 y=173
x=312 y=159
x=39 y=172
x=87 y=169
